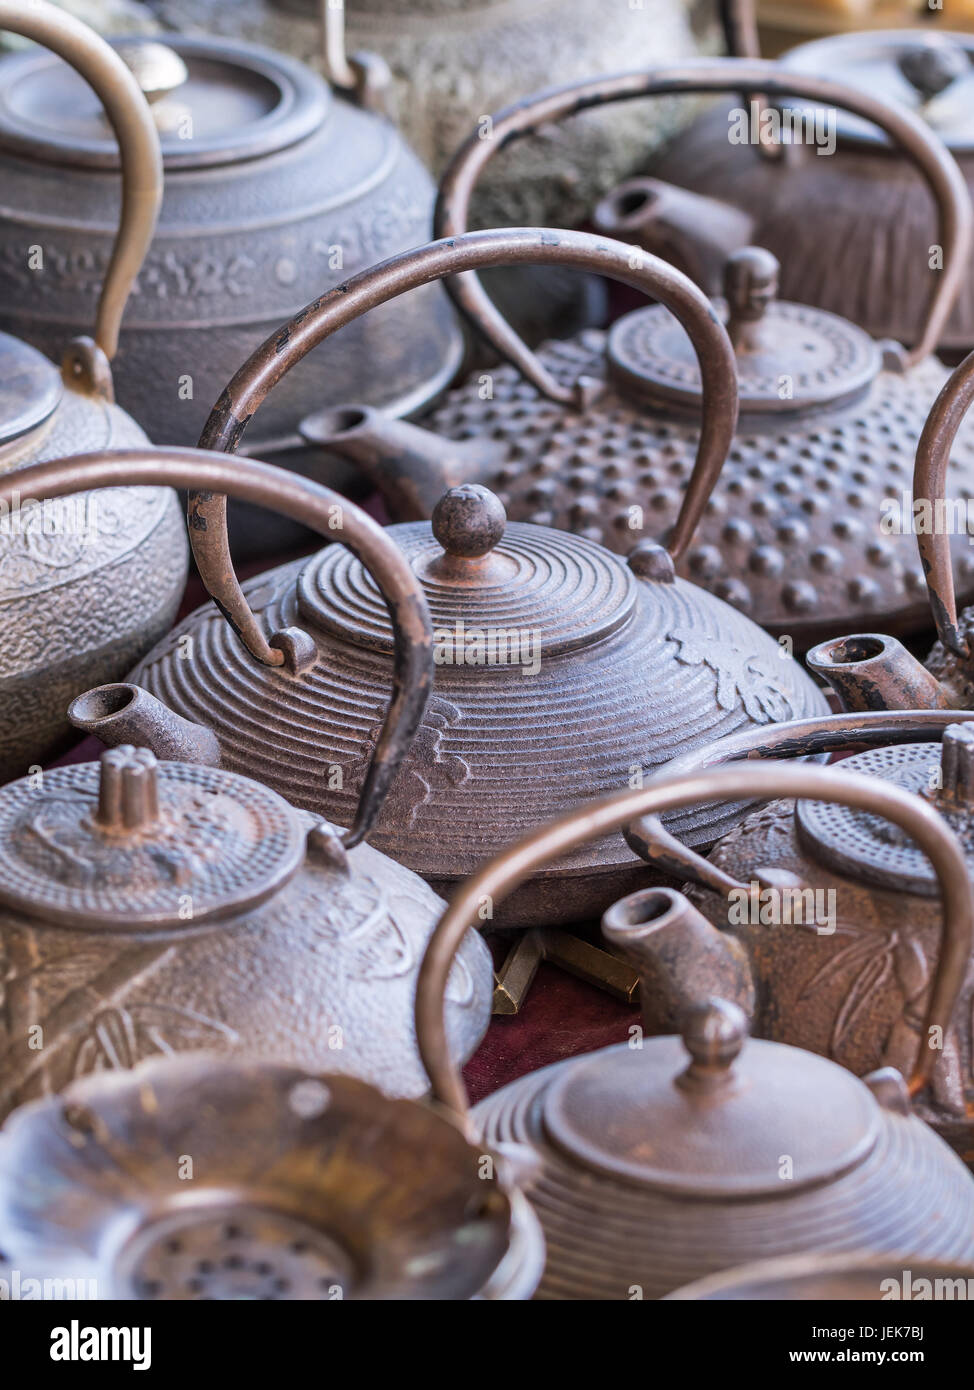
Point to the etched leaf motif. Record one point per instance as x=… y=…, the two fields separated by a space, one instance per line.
x=742 y=677
x=357 y=919
x=876 y=958
x=118 y=1038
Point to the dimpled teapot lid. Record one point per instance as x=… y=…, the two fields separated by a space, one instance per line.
x=876 y=851
x=746 y=1118
x=30 y=388
x=563 y=591
x=930 y=73
x=790 y=357
x=129 y=843
x=221 y=103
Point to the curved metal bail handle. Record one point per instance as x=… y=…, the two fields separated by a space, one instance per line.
x=930 y=486
x=668 y=792
x=313 y=505
x=738 y=20
x=138 y=141
x=507 y=246
x=365 y=78
x=936 y=164
x=799 y=738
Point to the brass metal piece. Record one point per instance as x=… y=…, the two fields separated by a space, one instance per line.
x=570 y=953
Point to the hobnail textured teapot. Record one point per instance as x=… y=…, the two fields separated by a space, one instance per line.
x=275 y=185
x=657 y=1168
x=595 y=435
x=87 y=586
x=851 y=972
x=152 y=907
x=304 y=1185
x=555 y=659
x=850 y=227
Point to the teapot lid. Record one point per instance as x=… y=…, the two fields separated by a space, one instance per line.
x=790 y=357
x=132 y=844
x=30 y=388
x=486 y=581
x=871 y=848
x=215 y=102
x=931 y=74
x=746 y=1118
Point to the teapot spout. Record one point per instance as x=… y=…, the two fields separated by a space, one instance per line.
x=870 y=671
x=682 y=960
x=410 y=466
x=123 y=713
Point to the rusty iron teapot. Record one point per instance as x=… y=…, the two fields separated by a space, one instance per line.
x=275 y=185
x=555 y=659
x=812 y=212
x=305 y=1186
x=595 y=435
x=821 y=921
x=451 y=61
x=832 y=1279
x=90 y=584
x=654 y=1172
x=152 y=908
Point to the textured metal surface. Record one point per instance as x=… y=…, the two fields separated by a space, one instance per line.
x=608 y=1237
x=307 y=1186
x=237 y=250
x=792 y=534
x=86 y=591
x=218 y=846
x=605 y=1239
x=30 y=388
x=498 y=750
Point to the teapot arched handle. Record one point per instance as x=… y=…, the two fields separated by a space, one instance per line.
x=474 y=250
x=365 y=77
x=668 y=792
x=939 y=169
x=315 y=506
x=141 y=157
x=797 y=738
x=930 y=486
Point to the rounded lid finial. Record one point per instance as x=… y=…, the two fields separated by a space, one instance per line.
x=713 y=1033
x=750 y=283
x=931 y=67
x=468 y=521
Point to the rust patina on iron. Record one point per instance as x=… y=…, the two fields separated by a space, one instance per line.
x=87 y=586
x=653 y=1172
x=597 y=435
x=152 y=907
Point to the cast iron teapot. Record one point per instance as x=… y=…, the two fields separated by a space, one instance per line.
x=86 y=586
x=275 y=185
x=152 y=907
x=657 y=1168
x=847 y=227
x=850 y=973
x=595 y=435
x=304 y=1186
x=555 y=659
x=832 y=1279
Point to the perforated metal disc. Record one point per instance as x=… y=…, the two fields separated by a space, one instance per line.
x=222 y=845
x=813 y=359
x=870 y=848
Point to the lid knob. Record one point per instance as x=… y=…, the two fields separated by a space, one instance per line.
x=128 y=790
x=156 y=67
x=468 y=521
x=957 y=764
x=713 y=1033
x=750 y=287
x=930 y=68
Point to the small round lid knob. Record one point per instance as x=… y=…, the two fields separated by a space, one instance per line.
x=156 y=67
x=957 y=764
x=930 y=68
x=750 y=285
x=128 y=790
x=713 y=1033
x=468 y=521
